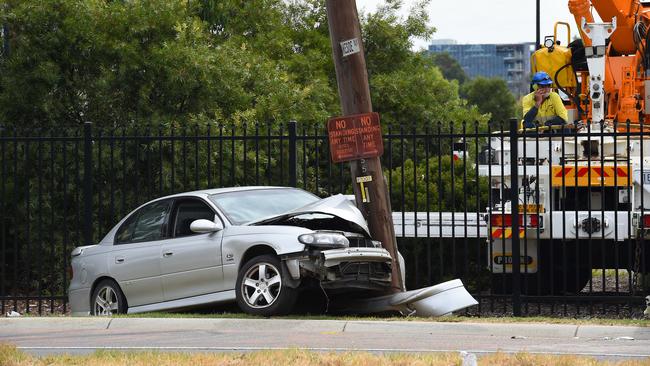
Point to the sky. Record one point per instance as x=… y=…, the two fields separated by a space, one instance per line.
x=489 y=21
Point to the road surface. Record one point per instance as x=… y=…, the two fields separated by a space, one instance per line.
x=41 y=336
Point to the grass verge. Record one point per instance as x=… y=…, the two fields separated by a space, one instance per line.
x=10 y=356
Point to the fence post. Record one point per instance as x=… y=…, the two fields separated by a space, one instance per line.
x=514 y=209
x=293 y=141
x=88 y=185
x=5 y=41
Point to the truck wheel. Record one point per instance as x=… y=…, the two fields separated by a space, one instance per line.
x=261 y=288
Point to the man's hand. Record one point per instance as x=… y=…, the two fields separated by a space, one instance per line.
x=539 y=97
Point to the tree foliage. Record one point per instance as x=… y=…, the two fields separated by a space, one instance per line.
x=418 y=94
x=490 y=96
x=449 y=67
x=126 y=62
x=407 y=88
x=450 y=185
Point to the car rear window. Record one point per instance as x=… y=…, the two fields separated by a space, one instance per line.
x=251 y=205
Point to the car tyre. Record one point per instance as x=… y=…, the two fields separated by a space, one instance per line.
x=262 y=288
x=107 y=299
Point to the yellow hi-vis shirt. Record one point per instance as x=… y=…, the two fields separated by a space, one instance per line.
x=551 y=107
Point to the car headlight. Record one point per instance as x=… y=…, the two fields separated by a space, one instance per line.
x=324 y=239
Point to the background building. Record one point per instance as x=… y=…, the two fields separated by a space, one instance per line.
x=511 y=62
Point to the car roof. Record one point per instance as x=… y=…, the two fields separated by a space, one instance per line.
x=208 y=192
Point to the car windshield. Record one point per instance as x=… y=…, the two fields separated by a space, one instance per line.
x=252 y=205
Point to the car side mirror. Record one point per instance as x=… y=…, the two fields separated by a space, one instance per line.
x=205 y=226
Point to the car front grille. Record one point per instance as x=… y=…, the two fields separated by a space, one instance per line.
x=365 y=270
x=360 y=242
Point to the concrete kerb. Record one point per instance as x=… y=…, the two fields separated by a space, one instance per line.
x=528 y=330
x=26 y=323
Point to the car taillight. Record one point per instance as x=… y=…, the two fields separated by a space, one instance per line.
x=505 y=220
x=646 y=221
x=70 y=273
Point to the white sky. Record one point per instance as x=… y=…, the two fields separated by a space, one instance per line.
x=490 y=21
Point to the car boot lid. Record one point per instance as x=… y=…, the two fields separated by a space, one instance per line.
x=337 y=205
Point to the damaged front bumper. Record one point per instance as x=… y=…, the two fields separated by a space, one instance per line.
x=344 y=269
x=369 y=268
x=334 y=257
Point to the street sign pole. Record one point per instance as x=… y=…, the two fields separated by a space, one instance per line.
x=370 y=189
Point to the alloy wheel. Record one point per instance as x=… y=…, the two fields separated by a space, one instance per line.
x=106 y=302
x=261 y=285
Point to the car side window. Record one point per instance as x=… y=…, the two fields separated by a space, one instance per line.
x=149 y=223
x=187 y=211
x=125 y=232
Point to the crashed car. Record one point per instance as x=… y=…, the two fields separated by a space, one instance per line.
x=257 y=246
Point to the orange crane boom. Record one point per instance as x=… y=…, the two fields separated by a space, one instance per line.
x=625 y=76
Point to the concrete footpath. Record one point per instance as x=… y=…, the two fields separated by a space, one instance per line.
x=81 y=335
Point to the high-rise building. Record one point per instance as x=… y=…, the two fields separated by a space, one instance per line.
x=511 y=62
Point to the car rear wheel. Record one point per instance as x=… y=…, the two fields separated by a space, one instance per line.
x=107 y=299
x=262 y=289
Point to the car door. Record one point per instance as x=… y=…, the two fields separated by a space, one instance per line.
x=135 y=258
x=191 y=263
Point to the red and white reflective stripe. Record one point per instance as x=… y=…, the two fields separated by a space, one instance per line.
x=505 y=233
x=583 y=176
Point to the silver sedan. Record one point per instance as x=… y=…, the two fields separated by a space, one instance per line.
x=257 y=246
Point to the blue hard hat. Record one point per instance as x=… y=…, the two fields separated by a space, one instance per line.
x=542 y=78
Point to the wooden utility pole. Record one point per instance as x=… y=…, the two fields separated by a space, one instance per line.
x=370 y=190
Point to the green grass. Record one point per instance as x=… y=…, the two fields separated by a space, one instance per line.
x=10 y=356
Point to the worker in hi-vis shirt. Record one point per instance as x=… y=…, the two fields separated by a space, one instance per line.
x=543 y=107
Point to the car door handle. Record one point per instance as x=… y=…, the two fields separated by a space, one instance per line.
x=119 y=260
x=168 y=254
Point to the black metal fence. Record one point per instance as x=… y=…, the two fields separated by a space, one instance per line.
x=67 y=187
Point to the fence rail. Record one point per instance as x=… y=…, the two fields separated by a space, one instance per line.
x=67 y=187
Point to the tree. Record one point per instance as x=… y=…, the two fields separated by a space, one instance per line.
x=418 y=95
x=449 y=67
x=490 y=96
x=406 y=87
x=103 y=62
x=451 y=185
x=388 y=39
x=133 y=62
x=129 y=62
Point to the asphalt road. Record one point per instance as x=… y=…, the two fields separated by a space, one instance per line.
x=41 y=336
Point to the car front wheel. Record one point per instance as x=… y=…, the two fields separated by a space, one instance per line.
x=261 y=288
x=107 y=299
